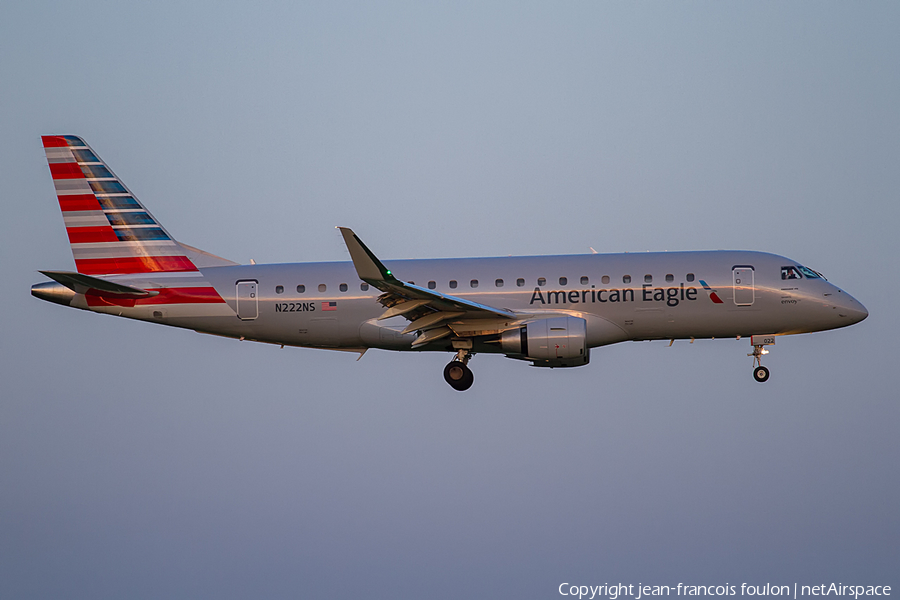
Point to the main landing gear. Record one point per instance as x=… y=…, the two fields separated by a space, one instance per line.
x=457 y=373
x=760 y=373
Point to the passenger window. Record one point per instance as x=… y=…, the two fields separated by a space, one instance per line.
x=279 y=289
x=605 y=279
x=364 y=286
x=343 y=287
x=473 y=283
x=626 y=279
x=690 y=277
x=322 y=287
x=789 y=273
x=542 y=281
x=301 y=288
x=648 y=278
x=520 y=282
x=452 y=284
x=431 y=285
x=584 y=281
x=563 y=281
x=499 y=283
x=670 y=278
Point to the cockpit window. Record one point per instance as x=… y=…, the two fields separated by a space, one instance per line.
x=810 y=274
x=789 y=273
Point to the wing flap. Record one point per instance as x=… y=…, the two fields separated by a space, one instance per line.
x=432 y=320
x=402 y=308
x=432 y=335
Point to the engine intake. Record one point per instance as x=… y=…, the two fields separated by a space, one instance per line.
x=552 y=342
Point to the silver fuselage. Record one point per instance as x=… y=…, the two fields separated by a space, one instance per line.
x=671 y=303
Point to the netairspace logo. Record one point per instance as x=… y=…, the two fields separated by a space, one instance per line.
x=639 y=591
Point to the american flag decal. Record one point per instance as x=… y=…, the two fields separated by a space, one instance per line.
x=329 y=306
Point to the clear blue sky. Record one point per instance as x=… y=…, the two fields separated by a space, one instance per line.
x=143 y=462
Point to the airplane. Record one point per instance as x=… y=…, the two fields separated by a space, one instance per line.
x=546 y=310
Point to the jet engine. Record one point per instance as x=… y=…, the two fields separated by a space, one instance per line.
x=551 y=342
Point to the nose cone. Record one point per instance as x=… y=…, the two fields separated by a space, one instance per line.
x=850 y=309
x=858 y=313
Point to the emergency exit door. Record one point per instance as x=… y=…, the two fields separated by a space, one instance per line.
x=744 y=291
x=247 y=300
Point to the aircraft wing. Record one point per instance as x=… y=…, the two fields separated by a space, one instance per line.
x=427 y=310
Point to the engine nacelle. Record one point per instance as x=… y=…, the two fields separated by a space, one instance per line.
x=552 y=342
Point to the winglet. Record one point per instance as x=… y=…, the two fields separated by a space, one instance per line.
x=368 y=267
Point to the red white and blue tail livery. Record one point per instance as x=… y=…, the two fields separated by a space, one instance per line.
x=115 y=239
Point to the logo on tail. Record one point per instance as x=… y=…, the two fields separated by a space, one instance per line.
x=109 y=230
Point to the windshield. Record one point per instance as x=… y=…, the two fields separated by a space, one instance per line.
x=799 y=272
x=809 y=273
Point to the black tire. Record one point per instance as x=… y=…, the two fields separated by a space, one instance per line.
x=458 y=375
x=761 y=374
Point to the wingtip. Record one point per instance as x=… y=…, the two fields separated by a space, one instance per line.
x=347 y=233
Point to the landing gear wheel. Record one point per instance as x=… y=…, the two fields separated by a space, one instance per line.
x=458 y=375
x=760 y=374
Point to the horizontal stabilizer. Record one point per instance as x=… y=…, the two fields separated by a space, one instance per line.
x=81 y=283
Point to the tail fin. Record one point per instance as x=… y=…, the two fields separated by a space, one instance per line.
x=109 y=230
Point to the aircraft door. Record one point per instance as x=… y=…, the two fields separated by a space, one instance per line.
x=247 y=300
x=744 y=291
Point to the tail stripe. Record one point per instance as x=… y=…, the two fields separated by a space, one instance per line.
x=61 y=141
x=71 y=186
x=78 y=202
x=85 y=218
x=133 y=264
x=181 y=295
x=55 y=141
x=91 y=235
x=109 y=230
x=66 y=170
x=88 y=250
x=111 y=203
x=86 y=156
x=96 y=172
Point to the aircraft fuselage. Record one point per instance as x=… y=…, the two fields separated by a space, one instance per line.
x=671 y=303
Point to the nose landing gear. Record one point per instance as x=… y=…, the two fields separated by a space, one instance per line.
x=457 y=372
x=760 y=373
